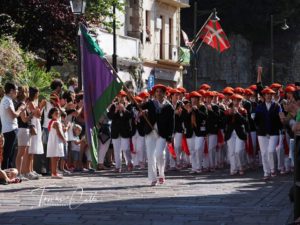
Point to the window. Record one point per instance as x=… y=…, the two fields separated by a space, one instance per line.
x=148 y=26
x=170 y=38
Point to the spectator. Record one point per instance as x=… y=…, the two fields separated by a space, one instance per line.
x=73 y=84
x=24 y=137
x=75 y=147
x=36 y=146
x=56 y=141
x=9 y=121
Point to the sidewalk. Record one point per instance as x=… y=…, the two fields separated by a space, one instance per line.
x=106 y=198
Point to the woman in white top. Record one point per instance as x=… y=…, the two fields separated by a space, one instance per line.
x=36 y=146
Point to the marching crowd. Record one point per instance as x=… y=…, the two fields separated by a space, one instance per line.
x=163 y=129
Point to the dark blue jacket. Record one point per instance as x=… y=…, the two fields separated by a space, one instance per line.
x=267 y=121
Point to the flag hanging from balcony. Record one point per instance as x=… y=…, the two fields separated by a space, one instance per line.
x=186 y=39
x=213 y=35
x=100 y=87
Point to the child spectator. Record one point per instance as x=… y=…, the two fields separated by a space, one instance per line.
x=9 y=176
x=75 y=147
x=73 y=84
x=56 y=141
x=66 y=125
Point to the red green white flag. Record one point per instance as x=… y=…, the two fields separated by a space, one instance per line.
x=213 y=35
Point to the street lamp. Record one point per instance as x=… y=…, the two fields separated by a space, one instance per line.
x=283 y=27
x=78 y=8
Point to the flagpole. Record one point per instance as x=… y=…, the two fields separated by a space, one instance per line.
x=195 y=38
x=201 y=43
x=129 y=94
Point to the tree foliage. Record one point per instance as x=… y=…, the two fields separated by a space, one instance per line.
x=48 y=27
x=23 y=68
x=99 y=12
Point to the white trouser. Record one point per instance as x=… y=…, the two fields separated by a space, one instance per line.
x=236 y=149
x=155 y=147
x=253 y=137
x=199 y=146
x=280 y=153
x=220 y=152
x=267 y=148
x=121 y=144
x=212 y=145
x=291 y=154
x=138 y=146
x=196 y=147
x=193 y=154
x=102 y=150
x=250 y=159
x=177 y=148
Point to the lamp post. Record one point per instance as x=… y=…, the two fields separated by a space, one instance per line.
x=283 y=27
x=114 y=56
x=78 y=8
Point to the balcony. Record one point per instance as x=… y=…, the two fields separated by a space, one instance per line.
x=176 y=3
x=127 y=47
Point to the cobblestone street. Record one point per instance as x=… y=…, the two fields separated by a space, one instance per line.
x=106 y=198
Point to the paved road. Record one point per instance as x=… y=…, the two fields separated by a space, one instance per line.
x=106 y=198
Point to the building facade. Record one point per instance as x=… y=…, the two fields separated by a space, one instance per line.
x=157 y=24
x=148 y=42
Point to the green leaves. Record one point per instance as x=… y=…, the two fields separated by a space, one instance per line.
x=100 y=12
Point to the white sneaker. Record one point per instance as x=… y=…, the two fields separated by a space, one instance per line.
x=31 y=176
x=23 y=178
x=37 y=174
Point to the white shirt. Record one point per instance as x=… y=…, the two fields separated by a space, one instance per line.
x=8 y=123
x=268 y=105
x=75 y=147
x=47 y=108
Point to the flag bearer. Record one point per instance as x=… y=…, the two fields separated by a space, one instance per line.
x=160 y=114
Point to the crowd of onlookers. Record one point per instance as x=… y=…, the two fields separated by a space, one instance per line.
x=42 y=136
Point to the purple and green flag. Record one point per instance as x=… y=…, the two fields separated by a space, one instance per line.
x=100 y=87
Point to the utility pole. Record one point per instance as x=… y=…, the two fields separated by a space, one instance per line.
x=114 y=56
x=272 y=49
x=195 y=72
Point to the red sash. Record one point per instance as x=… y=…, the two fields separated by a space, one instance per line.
x=131 y=147
x=286 y=145
x=205 y=146
x=50 y=124
x=172 y=150
x=249 y=145
x=184 y=145
x=220 y=138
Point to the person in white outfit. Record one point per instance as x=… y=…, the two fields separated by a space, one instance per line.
x=104 y=140
x=268 y=125
x=56 y=141
x=121 y=130
x=160 y=115
x=236 y=126
x=36 y=146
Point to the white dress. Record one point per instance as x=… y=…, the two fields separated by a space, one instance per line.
x=36 y=146
x=55 y=146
